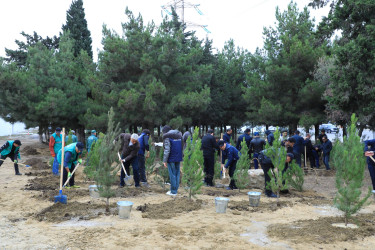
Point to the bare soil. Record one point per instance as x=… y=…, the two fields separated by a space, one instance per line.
x=38 y=163
x=29 y=150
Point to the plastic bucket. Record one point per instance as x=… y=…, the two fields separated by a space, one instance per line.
x=94 y=193
x=373 y=194
x=221 y=204
x=124 y=208
x=254 y=198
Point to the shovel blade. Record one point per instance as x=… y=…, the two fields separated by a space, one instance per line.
x=127 y=180
x=63 y=199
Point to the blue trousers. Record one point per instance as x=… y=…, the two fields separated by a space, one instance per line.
x=255 y=157
x=174 y=175
x=134 y=163
x=316 y=156
x=371 y=169
x=55 y=166
x=297 y=156
x=326 y=161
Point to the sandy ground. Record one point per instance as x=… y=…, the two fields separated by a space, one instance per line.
x=24 y=225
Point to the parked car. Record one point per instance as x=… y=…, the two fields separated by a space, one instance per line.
x=329 y=128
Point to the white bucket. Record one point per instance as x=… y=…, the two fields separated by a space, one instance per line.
x=94 y=193
x=221 y=204
x=124 y=208
x=254 y=198
x=373 y=194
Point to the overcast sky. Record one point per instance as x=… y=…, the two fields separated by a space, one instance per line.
x=241 y=20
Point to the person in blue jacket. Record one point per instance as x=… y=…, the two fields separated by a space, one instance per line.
x=92 y=138
x=232 y=154
x=270 y=137
x=74 y=137
x=246 y=136
x=143 y=147
x=11 y=149
x=227 y=135
x=369 y=152
x=298 y=147
x=326 y=148
x=72 y=154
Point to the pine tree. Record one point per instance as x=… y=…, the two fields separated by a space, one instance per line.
x=161 y=174
x=193 y=165
x=295 y=176
x=77 y=25
x=350 y=165
x=105 y=154
x=241 y=175
x=277 y=154
x=70 y=138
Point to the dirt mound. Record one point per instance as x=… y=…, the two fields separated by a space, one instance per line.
x=37 y=164
x=169 y=209
x=62 y=212
x=220 y=192
x=39 y=173
x=70 y=193
x=43 y=183
x=29 y=151
x=245 y=206
x=321 y=230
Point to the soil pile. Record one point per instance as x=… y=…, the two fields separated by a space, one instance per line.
x=37 y=164
x=321 y=231
x=29 y=151
x=82 y=211
x=169 y=209
x=50 y=194
x=43 y=183
x=245 y=206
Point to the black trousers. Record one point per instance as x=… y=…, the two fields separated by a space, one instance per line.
x=232 y=168
x=3 y=157
x=209 y=165
x=65 y=175
x=311 y=158
x=267 y=178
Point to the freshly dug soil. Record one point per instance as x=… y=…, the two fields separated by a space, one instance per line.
x=169 y=209
x=270 y=206
x=321 y=231
x=62 y=212
x=39 y=173
x=37 y=164
x=43 y=183
x=221 y=192
x=27 y=150
x=70 y=193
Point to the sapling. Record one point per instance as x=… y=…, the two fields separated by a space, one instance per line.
x=193 y=165
x=105 y=153
x=217 y=168
x=241 y=175
x=295 y=176
x=161 y=174
x=277 y=154
x=350 y=166
x=70 y=138
x=150 y=160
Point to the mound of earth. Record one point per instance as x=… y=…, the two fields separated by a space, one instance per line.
x=270 y=206
x=50 y=194
x=29 y=151
x=169 y=209
x=321 y=230
x=83 y=211
x=43 y=183
x=37 y=164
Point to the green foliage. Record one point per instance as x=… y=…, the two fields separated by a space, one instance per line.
x=277 y=154
x=295 y=176
x=161 y=173
x=193 y=165
x=94 y=158
x=150 y=161
x=70 y=138
x=241 y=175
x=350 y=165
x=103 y=156
x=217 y=168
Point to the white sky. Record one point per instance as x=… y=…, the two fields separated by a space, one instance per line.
x=241 y=20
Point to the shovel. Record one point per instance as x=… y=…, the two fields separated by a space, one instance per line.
x=127 y=177
x=62 y=198
x=28 y=166
x=70 y=176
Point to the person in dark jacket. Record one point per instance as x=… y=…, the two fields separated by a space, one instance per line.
x=270 y=137
x=309 y=151
x=297 y=148
x=228 y=135
x=172 y=144
x=316 y=152
x=143 y=147
x=267 y=165
x=232 y=154
x=246 y=136
x=256 y=145
x=369 y=152
x=209 y=146
x=11 y=149
x=322 y=133
x=129 y=155
x=326 y=148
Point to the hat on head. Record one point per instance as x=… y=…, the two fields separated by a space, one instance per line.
x=134 y=137
x=18 y=142
x=80 y=146
x=73 y=132
x=165 y=129
x=256 y=133
x=58 y=129
x=221 y=143
x=93 y=131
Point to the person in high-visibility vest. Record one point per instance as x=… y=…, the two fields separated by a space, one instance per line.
x=11 y=149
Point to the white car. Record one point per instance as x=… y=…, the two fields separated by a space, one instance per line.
x=329 y=128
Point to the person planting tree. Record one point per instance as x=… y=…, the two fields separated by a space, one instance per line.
x=72 y=154
x=369 y=153
x=232 y=154
x=209 y=147
x=143 y=147
x=11 y=149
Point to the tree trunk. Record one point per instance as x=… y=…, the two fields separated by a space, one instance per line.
x=360 y=131
x=40 y=132
x=316 y=127
x=158 y=133
x=107 y=206
x=81 y=134
x=344 y=131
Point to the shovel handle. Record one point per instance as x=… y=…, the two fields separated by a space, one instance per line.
x=122 y=164
x=71 y=175
x=372 y=158
x=28 y=166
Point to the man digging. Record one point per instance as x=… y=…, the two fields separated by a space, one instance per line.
x=11 y=149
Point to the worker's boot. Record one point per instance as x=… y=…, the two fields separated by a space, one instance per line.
x=16 y=169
